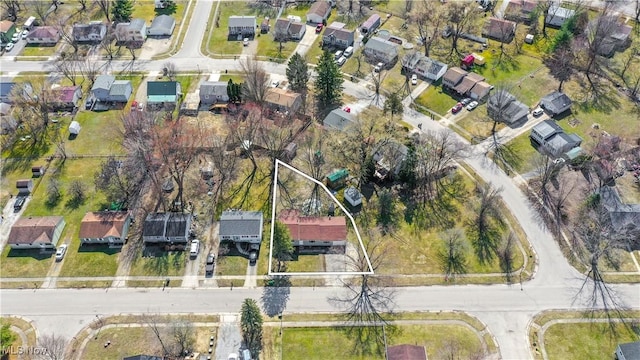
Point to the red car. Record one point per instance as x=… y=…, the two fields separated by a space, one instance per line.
x=319 y=28
x=456 y=108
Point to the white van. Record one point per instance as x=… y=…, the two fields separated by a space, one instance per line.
x=338 y=54
x=195 y=248
x=348 y=51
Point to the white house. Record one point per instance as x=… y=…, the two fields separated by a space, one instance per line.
x=91 y=32
x=335 y=35
x=242 y=26
x=131 y=32
x=557 y=15
x=424 y=67
x=162 y=25
x=36 y=232
x=318 y=12
x=241 y=227
x=380 y=50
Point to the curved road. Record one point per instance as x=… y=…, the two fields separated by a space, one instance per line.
x=506 y=310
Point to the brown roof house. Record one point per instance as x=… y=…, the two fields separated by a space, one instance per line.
x=467 y=83
x=105 y=228
x=132 y=33
x=480 y=90
x=335 y=35
x=499 y=29
x=36 y=232
x=64 y=97
x=7 y=28
x=406 y=352
x=311 y=234
x=520 y=10
x=283 y=100
x=453 y=77
x=43 y=35
x=612 y=34
x=319 y=12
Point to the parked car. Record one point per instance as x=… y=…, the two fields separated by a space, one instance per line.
x=559 y=161
x=341 y=61
x=537 y=112
x=319 y=28
x=60 y=252
x=19 y=202
x=253 y=257
x=414 y=79
x=15 y=37
x=348 y=51
x=233 y=356
x=209 y=265
x=346 y=109
x=245 y=42
x=472 y=105
x=465 y=101
x=457 y=108
x=194 y=249
x=338 y=54
x=24 y=34
x=275 y=83
x=378 y=67
x=9 y=46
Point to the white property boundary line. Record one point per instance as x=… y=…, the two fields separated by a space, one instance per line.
x=273 y=222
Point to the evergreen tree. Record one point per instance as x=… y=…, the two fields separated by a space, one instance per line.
x=230 y=91
x=7 y=337
x=393 y=105
x=122 y=10
x=298 y=73
x=282 y=244
x=251 y=326
x=328 y=83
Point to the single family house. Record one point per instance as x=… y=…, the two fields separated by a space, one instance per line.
x=64 y=97
x=352 y=196
x=378 y=49
x=315 y=234
x=505 y=108
x=480 y=91
x=6 y=89
x=244 y=228
x=424 y=67
x=467 y=83
x=499 y=29
x=389 y=157
x=406 y=352
x=107 y=89
x=556 y=103
x=319 y=12
x=369 y=26
x=43 y=35
x=166 y=228
x=162 y=25
x=520 y=10
x=552 y=140
x=615 y=34
x=7 y=28
x=242 y=26
x=452 y=77
x=558 y=15
x=213 y=92
x=105 y=228
x=338 y=119
x=132 y=33
x=283 y=100
x=36 y=232
x=92 y=32
x=628 y=351
x=287 y=29
x=163 y=94
x=336 y=36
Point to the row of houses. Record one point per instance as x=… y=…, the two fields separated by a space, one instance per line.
x=464 y=83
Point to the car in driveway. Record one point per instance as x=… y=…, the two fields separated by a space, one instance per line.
x=15 y=37
x=24 y=34
x=9 y=46
x=19 y=203
x=253 y=257
x=341 y=61
x=414 y=79
x=60 y=252
x=245 y=42
x=194 y=248
x=319 y=28
x=465 y=101
x=472 y=105
x=456 y=108
x=209 y=265
x=537 y=112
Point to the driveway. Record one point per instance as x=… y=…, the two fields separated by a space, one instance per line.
x=307 y=41
x=229 y=337
x=190 y=278
x=9 y=217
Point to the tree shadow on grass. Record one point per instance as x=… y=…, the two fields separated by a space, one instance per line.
x=93 y=248
x=160 y=262
x=22 y=155
x=601 y=98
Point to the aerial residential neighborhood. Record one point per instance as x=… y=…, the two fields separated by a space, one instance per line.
x=320 y=179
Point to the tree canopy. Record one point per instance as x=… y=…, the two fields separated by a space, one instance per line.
x=282 y=244
x=122 y=10
x=298 y=73
x=251 y=326
x=328 y=83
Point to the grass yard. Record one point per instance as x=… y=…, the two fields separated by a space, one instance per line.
x=585 y=340
x=100 y=134
x=232 y=265
x=297 y=10
x=478 y=124
x=269 y=48
x=124 y=342
x=237 y=78
x=24 y=263
x=45 y=51
x=164 y=263
x=307 y=263
x=217 y=35
x=146 y=10
x=434 y=99
x=315 y=51
x=523 y=152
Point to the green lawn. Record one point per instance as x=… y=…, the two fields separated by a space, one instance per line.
x=164 y=263
x=307 y=263
x=124 y=342
x=218 y=43
x=237 y=78
x=478 y=124
x=232 y=265
x=269 y=48
x=436 y=100
x=24 y=263
x=47 y=51
x=313 y=55
x=524 y=154
x=585 y=340
x=100 y=133
x=297 y=10
x=146 y=10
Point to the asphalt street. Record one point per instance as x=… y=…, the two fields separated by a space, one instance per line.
x=506 y=310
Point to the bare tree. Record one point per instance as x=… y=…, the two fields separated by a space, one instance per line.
x=183 y=336
x=429 y=18
x=452 y=257
x=560 y=64
x=68 y=66
x=256 y=80
x=169 y=70
x=54 y=192
x=483 y=229
x=120 y=180
x=497 y=110
x=90 y=69
x=66 y=34
x=54 y=346
x=366 y=303
x=460 y=16
x=32 y=97
x=377 y=79
x=153 y=321
x=105 y=7
x=83 y=4
x=506 y=256
x=41 y=8
x=108 y=43
x=596 y=45
x=11 y=9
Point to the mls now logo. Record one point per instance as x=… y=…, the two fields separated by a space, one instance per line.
x=24 y=350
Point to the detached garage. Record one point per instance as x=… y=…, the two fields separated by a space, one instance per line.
x=162 y=25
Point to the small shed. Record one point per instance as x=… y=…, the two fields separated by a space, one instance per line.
x=24 y=186
x=290 y=151
x=353 y=196
x=336 y=179
x=37 y=171
x=74 y=128
x=467 y=62
x=478 y=59
x=206 y=172
x=264 y=26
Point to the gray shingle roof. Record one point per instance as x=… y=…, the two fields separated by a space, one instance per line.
x=103 y=82
x=154 y=224
x=240 y=223
x=547 y=128
x=136 y=24
x=338 y=119
x=178 y=224
x=119 y=87
x=555 y=102
x=215 y=88
x=163 y=22
x=380 y=44
x=242 y=21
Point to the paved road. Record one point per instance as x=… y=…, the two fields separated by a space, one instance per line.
x=505 y=309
